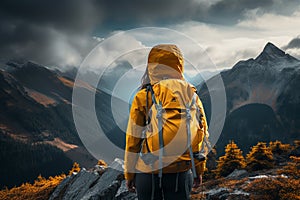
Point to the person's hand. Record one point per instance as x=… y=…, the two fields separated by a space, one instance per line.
x=130 y=185
x=197 y=181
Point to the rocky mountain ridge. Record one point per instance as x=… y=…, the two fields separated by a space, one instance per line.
x=263 y=98
x=36 y=114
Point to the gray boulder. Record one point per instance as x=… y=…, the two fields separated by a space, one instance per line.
x=237 y=174
x=59 y=190
x=75 y=186
x=124 y=194
x=108 y=184
x=89 y=185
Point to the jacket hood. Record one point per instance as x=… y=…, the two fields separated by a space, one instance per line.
x=165 y=61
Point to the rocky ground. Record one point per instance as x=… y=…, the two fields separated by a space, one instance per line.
x=97 y=183
x=236 y=186
x=102 y=183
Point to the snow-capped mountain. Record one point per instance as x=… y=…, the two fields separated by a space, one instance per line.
x=263 y=99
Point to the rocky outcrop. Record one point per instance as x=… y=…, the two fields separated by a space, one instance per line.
x=95 y=185
x=124 y=194
x=238 y=174
x=224 y=194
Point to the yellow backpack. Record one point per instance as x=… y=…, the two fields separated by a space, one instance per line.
x=172 y=124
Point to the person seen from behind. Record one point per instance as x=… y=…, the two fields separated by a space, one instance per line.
x=165 y=132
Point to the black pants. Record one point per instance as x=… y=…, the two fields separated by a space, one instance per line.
x=174 y=186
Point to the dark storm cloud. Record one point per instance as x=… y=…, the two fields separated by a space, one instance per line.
x=46 y=31
x=61 y=14
x=157 y=12
x=50 y=31
x=231 y=11
x=293 y=44
x=147 y=12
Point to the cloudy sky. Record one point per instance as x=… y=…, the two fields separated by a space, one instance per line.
x=62 y=32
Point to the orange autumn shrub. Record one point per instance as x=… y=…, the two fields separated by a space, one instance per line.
x=41 y=189
x=102 y=163
x=75 y=168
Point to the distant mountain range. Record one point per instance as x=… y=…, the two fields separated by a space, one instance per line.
x=263 y=99
x=38 y=134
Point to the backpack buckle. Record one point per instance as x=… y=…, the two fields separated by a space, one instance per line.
x=159 y=110
x=188 y=114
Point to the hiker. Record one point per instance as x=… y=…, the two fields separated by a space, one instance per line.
x=165 y=131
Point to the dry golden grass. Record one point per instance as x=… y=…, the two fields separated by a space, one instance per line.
x=66 y=82
x=41 y=189
x=200 y=196
x=75 y=168
x=40 y=98
x=292 y=168
x=102 y=163
x=278 y=188
x=57 y=142
x=271 y=188
x=233 y=184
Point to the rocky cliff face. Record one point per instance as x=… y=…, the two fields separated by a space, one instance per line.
x=90 y=185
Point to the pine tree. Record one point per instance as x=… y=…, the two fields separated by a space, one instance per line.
x=280 y=151
x=260 y=157
x=278 y=147
x=233 y=159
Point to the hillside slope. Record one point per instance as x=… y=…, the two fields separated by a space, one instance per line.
x=38 y=135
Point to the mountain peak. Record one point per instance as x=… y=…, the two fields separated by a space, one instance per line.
x=272 y=54
x=271 y=49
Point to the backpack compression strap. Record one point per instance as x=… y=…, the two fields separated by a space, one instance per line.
x=146 y=123
x=188 y=128
x=161 y=141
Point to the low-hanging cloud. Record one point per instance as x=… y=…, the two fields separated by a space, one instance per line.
x=293 y=47
x=294 y=43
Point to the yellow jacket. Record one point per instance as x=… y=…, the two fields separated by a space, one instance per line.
x=164 y=61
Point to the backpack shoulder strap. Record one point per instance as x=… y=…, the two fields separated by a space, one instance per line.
x=149 y=88
x=158 y=106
